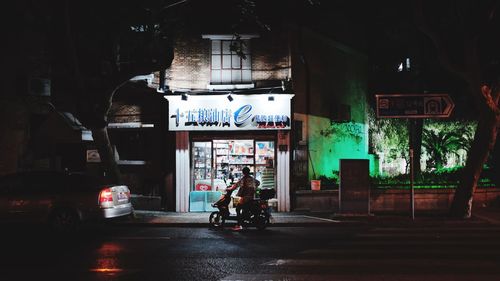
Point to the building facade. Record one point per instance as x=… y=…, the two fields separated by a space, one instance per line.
x=228 y=108
x=289 y=104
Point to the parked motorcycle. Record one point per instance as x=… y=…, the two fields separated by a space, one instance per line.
x=257 y=214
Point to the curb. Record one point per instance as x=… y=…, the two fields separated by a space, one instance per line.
x=206 y=225
x=145 y=220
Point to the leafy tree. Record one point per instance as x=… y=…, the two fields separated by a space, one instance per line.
x=442 y=138
x=464 y=36
x=389 y=136
x=439 y=144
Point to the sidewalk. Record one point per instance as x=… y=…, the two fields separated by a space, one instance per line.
x=156 y=218
x=489 y=216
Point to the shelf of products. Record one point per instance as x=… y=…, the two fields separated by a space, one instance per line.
x=264 y=152
x=202 y=160
x=221 y=154
x=231 y=156
x=222 y=161
x=266 y=176
x=264 y=159
x=241 y=154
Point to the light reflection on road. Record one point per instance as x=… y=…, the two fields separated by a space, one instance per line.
x=107 y=260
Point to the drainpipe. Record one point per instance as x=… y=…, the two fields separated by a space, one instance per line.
x=161 y=83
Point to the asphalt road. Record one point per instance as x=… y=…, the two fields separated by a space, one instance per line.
x=409 y=252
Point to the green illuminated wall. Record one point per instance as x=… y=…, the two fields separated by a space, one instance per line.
x=333 y=81
x=330 y=141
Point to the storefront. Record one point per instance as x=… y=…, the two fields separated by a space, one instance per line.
x=217 y=135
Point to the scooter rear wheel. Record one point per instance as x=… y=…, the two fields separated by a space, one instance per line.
x=216 y=219
x=261 y=222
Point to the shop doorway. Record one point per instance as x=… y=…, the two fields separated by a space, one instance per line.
x=218 y=163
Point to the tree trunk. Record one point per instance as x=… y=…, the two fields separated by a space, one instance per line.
x=417 y=147
x=484 y=141
x=415 y=128
x=487 y=99
x=101 y=139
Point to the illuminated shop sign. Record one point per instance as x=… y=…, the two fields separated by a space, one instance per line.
x=219 y=113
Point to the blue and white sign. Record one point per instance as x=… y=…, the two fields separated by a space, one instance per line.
x=220 y=113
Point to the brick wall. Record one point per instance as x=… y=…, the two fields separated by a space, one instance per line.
x=270 y=59
x=393 y=200
x=190 y=68
x=191 y=65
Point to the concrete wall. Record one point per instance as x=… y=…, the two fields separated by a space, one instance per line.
x=392 y=200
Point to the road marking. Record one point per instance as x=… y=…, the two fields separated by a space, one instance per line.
x=427 y=235
x=440 y=242
x=286 y=277
x=142 y=238
x=321 y=219
x=400 y=250
x=377 y=262
x=430 y=229
x=369 y=252
x=427 y=229
x=356 y=277
x=488 y=219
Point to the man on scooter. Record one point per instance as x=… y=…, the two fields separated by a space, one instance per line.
x=247 y=185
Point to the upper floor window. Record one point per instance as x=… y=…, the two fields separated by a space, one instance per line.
x=229 y=67
x=230 y=60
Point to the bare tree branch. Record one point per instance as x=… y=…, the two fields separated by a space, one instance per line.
x=491 y=98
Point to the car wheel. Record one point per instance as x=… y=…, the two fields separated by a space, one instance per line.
x=64 y=220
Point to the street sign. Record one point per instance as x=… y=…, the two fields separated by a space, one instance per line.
x=414 y=106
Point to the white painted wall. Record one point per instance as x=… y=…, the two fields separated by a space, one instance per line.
x=283 y=181
x=182 y=172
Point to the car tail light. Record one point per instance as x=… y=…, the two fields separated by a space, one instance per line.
x=106 y=195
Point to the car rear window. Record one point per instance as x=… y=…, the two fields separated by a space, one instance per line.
x=84 y=182
x=49 y=182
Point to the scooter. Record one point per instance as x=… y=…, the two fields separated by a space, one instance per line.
x=257 y=214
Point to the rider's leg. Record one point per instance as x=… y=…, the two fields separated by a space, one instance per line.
x=238 y=216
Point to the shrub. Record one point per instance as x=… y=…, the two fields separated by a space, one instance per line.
x=441 y=178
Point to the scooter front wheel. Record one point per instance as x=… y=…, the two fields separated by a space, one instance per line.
x=216 y=219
